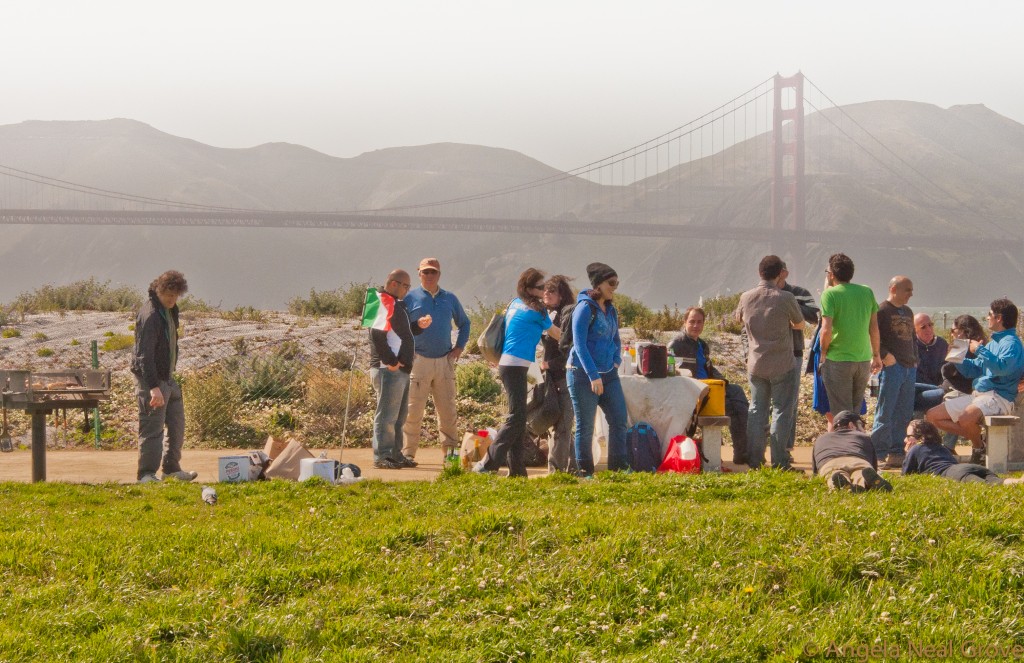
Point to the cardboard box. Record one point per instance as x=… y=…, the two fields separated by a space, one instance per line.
x=286 y=465
x=233 y=469
x=715 y=405
x=274 y=446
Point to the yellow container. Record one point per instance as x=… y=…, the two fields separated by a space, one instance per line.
x=715 y=405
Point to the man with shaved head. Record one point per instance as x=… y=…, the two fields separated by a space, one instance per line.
x=898 y=351
x=391 y=357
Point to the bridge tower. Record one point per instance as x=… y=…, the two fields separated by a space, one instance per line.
x=788 y=167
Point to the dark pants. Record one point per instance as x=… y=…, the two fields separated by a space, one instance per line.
x=736 y=408
x=970 y=473
x=152 y=421
x=508 y=443
x=561 y=451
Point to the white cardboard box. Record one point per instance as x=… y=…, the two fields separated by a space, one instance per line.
x=233 y=469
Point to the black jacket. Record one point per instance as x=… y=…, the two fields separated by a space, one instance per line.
x=553 y=354
x=380 y=352
x=685 y=350
x=151 y=356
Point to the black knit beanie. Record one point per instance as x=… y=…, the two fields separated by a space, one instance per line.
x=598 y=273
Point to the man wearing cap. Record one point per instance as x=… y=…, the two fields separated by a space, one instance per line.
x=846 y=457
x=433 y=372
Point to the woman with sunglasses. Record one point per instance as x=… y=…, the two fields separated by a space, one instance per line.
x=526 y=320
x=558 y=298
x=927 y=455
x=968 y=328
x=593 y=375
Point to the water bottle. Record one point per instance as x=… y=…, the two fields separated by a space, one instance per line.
x=873 y=385
x=671 y=364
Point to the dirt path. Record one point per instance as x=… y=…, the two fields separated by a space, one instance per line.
x=90 y=466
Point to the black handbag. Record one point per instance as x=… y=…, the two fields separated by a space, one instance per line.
x=544 y=409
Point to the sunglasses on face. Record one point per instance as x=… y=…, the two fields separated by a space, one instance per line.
x=613 y=283
x=429 y=272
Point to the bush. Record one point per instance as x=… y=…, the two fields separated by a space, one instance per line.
x=630 y=310
x=271 y=376
x=244 y=314
x=326 y=392
x=40 y=336
x=44 y=352
x=720 y=312
x=11 y=333
x=88 y=295
x=75 y=341
x=192 y=304
x=475 y=381
x=118 y=342
x=344 y=303
x=211 y=401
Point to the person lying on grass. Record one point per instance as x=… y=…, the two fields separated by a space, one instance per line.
x=926 y=455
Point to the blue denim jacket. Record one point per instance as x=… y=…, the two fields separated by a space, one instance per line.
x=596 y=347
x=998 y=365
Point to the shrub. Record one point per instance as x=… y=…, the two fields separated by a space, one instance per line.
x=283 y=419
x=271 y=376
x=479 y=317
x=11 y=333
x=211 y=401
x=44 y=352
x=118 y=342
x=630 y=310
x=344 y=303
x=720 y=312
x=475 y=381
x=240 y=346
x=244 y=314
x=192 y=304
x=75 y=341
x=40 y=336
x=326 y=392
x=340 y=360
x=87 y=295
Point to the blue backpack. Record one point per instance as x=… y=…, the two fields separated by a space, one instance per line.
x=644 y=448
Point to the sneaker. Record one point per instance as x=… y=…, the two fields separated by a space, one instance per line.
x=406 y=461
x=387 y=464
x=149 y=478
x=893 y=462
x=977 y=457
x=839 y=481
x=874 y=481
x=181 y=475
x=479 y=467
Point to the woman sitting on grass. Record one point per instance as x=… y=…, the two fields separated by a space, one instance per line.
x=926 y=455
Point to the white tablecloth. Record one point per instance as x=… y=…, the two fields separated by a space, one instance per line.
x=666 y=404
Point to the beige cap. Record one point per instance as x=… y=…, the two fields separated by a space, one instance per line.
x=430 y=263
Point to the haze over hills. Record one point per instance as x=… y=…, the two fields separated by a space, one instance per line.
x=961 y=172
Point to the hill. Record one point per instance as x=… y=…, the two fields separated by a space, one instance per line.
x=957 y=169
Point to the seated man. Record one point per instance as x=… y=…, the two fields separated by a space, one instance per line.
x=846 y=457
x=995 y=371
x=931 y=355
x=927 y=455
x=693 y=354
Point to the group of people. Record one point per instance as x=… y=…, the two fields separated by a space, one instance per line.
x=413 y=356
x=856 y=336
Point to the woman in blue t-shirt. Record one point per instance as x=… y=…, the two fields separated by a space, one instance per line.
x=526 y=320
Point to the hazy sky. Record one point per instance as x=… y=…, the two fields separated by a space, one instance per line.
x=564 y=82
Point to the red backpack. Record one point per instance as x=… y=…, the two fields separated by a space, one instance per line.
x=683 y=455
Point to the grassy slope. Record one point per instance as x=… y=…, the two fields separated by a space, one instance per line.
x=746 y=567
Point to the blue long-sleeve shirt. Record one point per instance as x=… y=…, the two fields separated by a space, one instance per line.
x=997 y=366
x=596 y=347
x=436 y=340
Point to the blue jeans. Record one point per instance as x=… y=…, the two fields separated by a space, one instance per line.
x=797 y=372
x=392 y=389
x=894 y=410
x=927 y=396
x=778 y=393
x=584 y=405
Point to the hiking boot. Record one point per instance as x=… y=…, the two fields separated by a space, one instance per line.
x=387 y=464
x=977 y=456
x=406 y=461
x=181 y=475
x=874 y=481
x=149 y=478
x=839 y=481
x=893 y=462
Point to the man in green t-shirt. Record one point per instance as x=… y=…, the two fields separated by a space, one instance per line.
x=849 y=336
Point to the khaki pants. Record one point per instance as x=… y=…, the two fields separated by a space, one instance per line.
x=431 y=377
x=852 y=466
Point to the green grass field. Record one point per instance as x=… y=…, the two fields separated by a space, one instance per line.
x=759 y=566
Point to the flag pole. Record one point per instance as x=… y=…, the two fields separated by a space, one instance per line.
x=351 y=375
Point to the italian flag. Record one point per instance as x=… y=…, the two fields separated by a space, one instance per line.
x=378 y=309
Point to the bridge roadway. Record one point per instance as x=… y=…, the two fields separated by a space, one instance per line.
x=257 y=219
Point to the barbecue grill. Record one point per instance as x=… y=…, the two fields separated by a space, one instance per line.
x=40 y=393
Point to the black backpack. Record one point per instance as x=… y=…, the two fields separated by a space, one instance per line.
x=644 y=448
x=565 y=343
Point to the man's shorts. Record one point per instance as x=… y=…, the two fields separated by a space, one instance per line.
x=989 y=402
